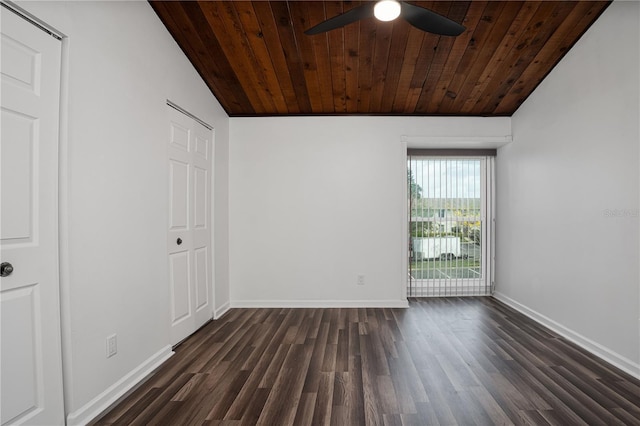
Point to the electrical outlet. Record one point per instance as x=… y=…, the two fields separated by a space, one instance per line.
x=112 y=345
x=360 y=280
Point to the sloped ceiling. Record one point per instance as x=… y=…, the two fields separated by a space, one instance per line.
x=257 y=61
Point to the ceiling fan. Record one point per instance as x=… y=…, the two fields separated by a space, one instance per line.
x=388 y=10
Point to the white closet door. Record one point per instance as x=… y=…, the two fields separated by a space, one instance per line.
x=189 y=232
x=29 y=293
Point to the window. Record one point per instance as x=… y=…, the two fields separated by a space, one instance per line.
x=450 y=226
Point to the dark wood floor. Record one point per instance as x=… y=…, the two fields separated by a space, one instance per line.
x=446 y=361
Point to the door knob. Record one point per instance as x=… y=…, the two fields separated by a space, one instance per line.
x=5 y=269
x=179 y=241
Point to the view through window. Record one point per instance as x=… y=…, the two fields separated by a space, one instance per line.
x=448 y=207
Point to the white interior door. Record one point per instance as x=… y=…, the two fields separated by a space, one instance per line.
x=29 y=295
x=189 y=234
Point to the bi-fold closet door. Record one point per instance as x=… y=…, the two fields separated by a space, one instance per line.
x=189 y=232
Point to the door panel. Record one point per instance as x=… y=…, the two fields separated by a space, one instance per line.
x=22 y=336
x=21 y=65
x=201 y=187
x=180 y=295
x=180 y=134
x=179 y=241
x=31 y=389
x=18 y=191
x=202 y=278
x=201 y=231
x=202 y=145
x=189 y=235
x=179 y=176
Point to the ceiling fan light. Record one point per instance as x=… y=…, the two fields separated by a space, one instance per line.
x=386 y=10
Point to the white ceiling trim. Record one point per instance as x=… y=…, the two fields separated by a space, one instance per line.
x=456 y=142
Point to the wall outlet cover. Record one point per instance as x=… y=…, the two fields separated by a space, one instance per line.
x=112 y=345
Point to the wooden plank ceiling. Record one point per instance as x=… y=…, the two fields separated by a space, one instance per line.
x=257 y=61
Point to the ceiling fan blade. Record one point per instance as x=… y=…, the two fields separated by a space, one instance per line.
x=346 y=18
x=426 y=20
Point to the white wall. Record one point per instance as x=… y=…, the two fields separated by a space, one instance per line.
x=317 y=201
x=122 y=67
x=567 y=215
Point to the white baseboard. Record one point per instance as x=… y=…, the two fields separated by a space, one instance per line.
x=111 y=395
x=613 y=358
x=217 y=313
x=320 y=304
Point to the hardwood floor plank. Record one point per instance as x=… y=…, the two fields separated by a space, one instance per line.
x=392 y=420
x=586 y=388
x=311 y=382
x=369 y=377
x=167 y=414
x=258 y=363
x=475 y=408
x=581 y=404
x=625 y=416
x=587 y=364
x=355 y=399
x=282 y=403
x=492 y=391
x=329 y=360
x=531 y=390
x=625 y=389
x=254 y=407
x=426 y=415
x=324 y=400
x=332 y=316
x=461 y=412
x=402 y=388
x=340 y=384
x=157 y=404
x=491 y=407
x=304 y=413
x=388 y=398
x=195 y=409
x=441 y=408
x=342 y=352
x=562 y=417
x=221 y=423
x=533 y=418
x=448 y=361
x=404 y=370
x=274 y=366
x=128 y=412
x=227 y=397
x=379 y=357
x=189 y=387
